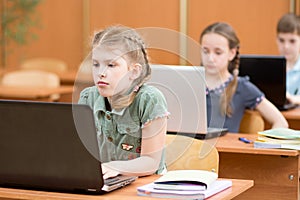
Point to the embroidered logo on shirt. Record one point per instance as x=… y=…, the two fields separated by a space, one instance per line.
x=138 y=149
x=127 y=147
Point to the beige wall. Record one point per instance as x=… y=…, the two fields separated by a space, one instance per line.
x=64 y=35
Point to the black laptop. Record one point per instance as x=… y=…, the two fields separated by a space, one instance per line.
x=51 y=146
x=268 y=73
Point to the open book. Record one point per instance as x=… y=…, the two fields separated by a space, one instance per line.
x=185 y=184
x=283 y=138
x=186 y=180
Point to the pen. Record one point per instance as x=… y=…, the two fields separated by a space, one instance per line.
x=245 y=140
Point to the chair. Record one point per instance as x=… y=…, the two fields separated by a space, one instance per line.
x=184 y=152
x=45 y=64
x=32 y=79
x=252 y=122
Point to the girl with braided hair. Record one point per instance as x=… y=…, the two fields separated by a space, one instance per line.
x=130 y=116
x=228 y=95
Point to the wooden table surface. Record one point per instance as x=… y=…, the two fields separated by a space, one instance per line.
x=129 y=192
x=275 y=171
x=32 y=93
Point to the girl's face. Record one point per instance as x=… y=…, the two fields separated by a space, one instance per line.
x=289 y=45
x=215 y=53
x=111 y=72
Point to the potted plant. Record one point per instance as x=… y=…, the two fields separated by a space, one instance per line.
x=17 y=17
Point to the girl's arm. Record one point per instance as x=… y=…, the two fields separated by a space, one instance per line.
x=153 y=142
x=271 y=114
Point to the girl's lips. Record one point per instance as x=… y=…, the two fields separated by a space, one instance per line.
x=102 y=83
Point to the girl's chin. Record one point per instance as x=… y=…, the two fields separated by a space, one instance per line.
x=104 y=94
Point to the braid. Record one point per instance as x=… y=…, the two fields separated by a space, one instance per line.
x=227 y=32
x=226 y=107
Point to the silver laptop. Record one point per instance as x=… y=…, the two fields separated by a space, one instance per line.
x=184 y=88
x=51 y=146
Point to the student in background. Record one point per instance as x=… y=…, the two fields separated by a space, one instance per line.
x=288 y=42
x=228 y=95
x=130 y=116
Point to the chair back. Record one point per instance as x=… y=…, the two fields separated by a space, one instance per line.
x=184 y=152
x=252 y=122
x=45 y=64
x=32 y=79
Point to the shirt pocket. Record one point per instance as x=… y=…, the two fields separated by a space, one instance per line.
x=129 y=129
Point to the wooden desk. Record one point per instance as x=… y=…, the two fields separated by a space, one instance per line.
x=128 y=192
x=78 y=80
x=293 y=118
x=275 y=171
x=71 y=76
x=36 y=94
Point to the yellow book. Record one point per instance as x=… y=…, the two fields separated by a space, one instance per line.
x=283 y=138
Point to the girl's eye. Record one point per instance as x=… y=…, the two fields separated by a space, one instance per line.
x=95 y=64
x=111 y=65
x=218 y=52
x=205 y=51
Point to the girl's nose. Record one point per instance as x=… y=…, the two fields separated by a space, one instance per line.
x=210 y=57
x=102 y=72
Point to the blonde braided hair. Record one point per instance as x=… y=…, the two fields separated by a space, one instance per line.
x=134 y=48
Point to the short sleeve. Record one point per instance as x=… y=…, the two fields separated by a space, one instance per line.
x=84 y=95
x=152 y=104
x=250 y=94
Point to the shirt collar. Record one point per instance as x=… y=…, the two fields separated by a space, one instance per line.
x=297 y=65
x=99 y=106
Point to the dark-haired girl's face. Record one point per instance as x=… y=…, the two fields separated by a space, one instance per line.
x=215 y=53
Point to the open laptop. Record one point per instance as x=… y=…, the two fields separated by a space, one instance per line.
x=268 y=73
x=184 y=88
x=51 y=146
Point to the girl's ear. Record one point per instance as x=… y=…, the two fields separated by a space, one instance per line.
x=232 y=54
x=135 y=71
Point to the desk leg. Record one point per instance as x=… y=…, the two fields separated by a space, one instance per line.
x=275 y=177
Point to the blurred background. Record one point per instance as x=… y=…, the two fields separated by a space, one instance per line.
x=63 y=29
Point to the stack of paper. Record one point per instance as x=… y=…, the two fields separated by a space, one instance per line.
x=284 y=138
x=185 y=184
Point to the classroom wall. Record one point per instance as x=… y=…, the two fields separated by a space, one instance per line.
x=67 y=26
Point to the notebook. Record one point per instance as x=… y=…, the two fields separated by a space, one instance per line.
x=184 y=88
x=268 y=73
x=51 y=146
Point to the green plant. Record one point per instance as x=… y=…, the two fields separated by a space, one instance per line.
x=17 y=17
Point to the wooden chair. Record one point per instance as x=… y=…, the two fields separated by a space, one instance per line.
x=45 y=64
x=184 y=152
x=32 y=79
x=252 y=122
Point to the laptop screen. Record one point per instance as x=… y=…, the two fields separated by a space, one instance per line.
x=268 y=73
x=41 y=147
x=184 y=88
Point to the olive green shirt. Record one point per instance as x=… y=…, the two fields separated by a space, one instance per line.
x=119 y=132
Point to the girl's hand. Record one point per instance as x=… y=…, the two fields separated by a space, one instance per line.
x=295 y=99
x=108 y=172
